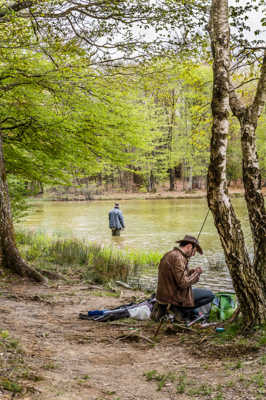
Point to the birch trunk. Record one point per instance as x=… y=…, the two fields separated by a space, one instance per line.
x=245 y=280
x=248 y=119
x=9 y=254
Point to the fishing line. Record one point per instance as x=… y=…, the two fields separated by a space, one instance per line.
x=203 y=224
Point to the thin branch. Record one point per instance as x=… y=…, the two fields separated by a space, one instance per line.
x=6 y=88
x=36 y=31
x=255 y=48
x=243 y=83
x=260 y=97
x=12 y=127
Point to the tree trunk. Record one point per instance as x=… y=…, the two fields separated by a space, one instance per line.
x=248 y=118
x=138 y=178
x=245 y=281
x=41 y=191
x=190 y=179
x=170 y=141
x=171 y=179
x=184 y=175
x=196 y=182
x=151 y=183
x=254 y=199
x=9 y=254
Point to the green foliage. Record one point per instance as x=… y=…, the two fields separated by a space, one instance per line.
x=111 y=30
x=17 y=193
x=58 y=115
x=181 y=92
x=195 y=123
x=234 y=153
x=61 y=116
x=52 y=130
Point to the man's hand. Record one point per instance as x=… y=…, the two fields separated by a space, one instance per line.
x=198 y=270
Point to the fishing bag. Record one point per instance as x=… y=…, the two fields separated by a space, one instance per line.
x=223 y=305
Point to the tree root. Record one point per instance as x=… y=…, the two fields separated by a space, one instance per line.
x=32 y=273
x=24 y=270
x=135 y=337
x=53 y=275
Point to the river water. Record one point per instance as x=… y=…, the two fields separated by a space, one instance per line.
x=151 y=225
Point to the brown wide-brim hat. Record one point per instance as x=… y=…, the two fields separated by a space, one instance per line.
x=192 y=240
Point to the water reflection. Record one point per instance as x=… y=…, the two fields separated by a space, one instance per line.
x=119 y=241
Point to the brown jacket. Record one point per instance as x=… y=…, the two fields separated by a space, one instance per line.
x=175 y=279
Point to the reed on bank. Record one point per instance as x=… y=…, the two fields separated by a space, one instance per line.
x=87 y=261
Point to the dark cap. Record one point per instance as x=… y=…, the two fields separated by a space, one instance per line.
x=192 y=240
x=117 y=205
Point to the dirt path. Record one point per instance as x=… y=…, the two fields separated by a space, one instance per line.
x=70 y=359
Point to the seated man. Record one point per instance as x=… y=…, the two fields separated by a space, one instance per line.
x=175 y=280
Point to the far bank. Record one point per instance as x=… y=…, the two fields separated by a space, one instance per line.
x=84 y=194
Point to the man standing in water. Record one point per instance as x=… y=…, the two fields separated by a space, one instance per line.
x=116 y=220
x=175 y=280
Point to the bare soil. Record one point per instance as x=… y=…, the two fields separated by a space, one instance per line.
x=66 y=358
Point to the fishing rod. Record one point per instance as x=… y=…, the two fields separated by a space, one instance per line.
x=203 y=224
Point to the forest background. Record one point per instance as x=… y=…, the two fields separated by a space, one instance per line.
x=109 y=122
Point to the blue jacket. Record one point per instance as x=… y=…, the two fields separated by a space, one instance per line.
x=116 y=220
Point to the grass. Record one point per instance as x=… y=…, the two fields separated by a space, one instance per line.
x=233 y=334
x=182 y=382
x=263 y=360
x=50 y=366
x=203 y=389
x=246 y=377
x=10 y=385
x=258 y=379
x=190 y=386
x=161 y=379
x=13 y=367
x=89 y=261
